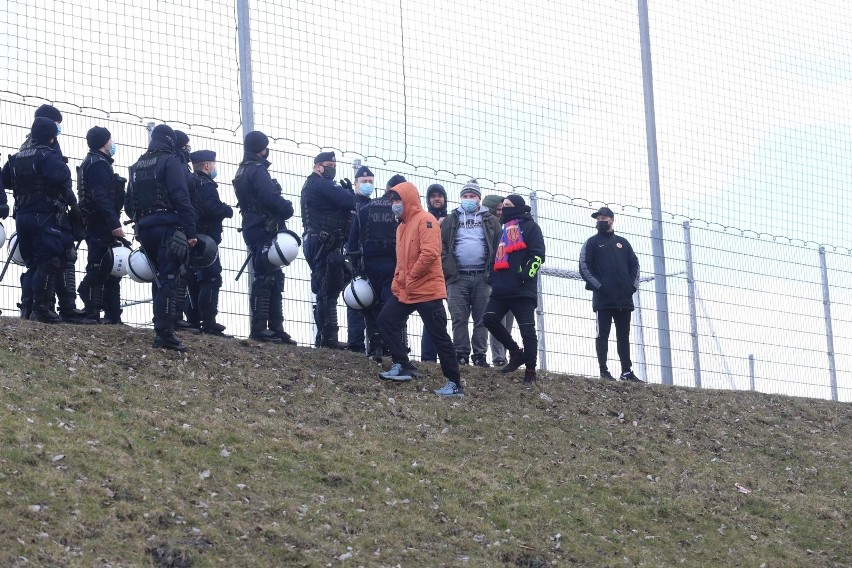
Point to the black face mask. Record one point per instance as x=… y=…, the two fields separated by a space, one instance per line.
x=510 y=213
x=328 y=172
x=602 y=227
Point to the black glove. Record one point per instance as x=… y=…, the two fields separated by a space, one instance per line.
x=4 y=211
x=177 y=246
x=346 y=183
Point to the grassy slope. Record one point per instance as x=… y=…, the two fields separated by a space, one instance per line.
x=247 y=455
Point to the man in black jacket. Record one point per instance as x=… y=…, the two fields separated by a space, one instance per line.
x=611 y=270
x=158 y=202
x=264 y=213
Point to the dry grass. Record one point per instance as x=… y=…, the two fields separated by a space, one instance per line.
x=115 y=454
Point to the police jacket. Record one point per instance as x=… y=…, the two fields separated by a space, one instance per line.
x=259 y=199
x=211 y=210
x=157 y=193
x=515 y=281
x=373 y=233
x=39 y=179
x=70 y=198
x=326 y=206
x=449 y=229
x=101 y=192
x=610 y=268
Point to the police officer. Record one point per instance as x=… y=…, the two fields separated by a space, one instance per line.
x=187 y=286
x=326 y=210
x=66 y=286
x=101 y=197
x=211 y=213
x=38 y=177
x=373 y=240
x=355 y=321
x=264 y=212
x=158 y=202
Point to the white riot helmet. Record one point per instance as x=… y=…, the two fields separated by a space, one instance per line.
x=2 y=234
x=116 y=259
x=139 y=267
x=284 y=248
x=359 y=294
x=16 y=255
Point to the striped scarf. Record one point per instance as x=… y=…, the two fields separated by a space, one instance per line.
x=511 y=240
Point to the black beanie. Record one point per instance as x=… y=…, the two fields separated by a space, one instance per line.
x=43 y=130
x=255 y=142
x=97 y=137
x=436 y=188
x=163 y=131
x=396 y=180
x=48 y=111
x=518 y=202
x=181 y=139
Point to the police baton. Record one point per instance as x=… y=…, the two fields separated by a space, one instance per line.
x=242 y=268
x=9 y=259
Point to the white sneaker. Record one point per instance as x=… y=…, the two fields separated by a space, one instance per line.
x=450 y=389
x=396 y=373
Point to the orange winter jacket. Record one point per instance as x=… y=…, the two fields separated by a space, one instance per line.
x=419 y=276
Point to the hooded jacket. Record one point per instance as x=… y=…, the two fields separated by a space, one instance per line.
x=418 y=277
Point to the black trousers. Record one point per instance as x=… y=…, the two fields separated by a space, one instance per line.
x=393 y=318
x=524 y=311
x=622 y=337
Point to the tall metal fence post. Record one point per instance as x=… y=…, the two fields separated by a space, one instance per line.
x=539 y=311
x=693 y=315
x=751 y=371
x=246 y=91
x=829 y=334
x=639 y=327
x=656 y=205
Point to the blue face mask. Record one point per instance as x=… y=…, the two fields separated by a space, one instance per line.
x=58 y=129
x=213 y=174
x=469 y=205
x=397 y=209
x=366 y=189
x=112 y=150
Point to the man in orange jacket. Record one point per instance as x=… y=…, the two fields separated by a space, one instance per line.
x=418 y=285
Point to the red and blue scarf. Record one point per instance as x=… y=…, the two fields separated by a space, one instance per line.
x=511 y=240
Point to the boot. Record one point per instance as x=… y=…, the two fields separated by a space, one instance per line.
x=112 y=301
x=529 y=376
x=276 y=318
x=260 y=300
x=166 y=339
x=376 y=348
x=92 y=294
x=26 y=310
x=516 y=359
x=44 y=288
x=66 y=293
x=208 y=301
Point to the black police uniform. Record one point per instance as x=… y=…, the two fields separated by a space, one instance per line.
x=373 y=235
x=264 y=212
x=158 y=202
x=39 y=177
x=211 y=213
x=356 y=323
x=187 y=286
x=101 y=197
x=326 y=211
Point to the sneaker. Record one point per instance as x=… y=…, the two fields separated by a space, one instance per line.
x=169 y=341
x=630 y=377
x=529 y=376
x=450 y=389
x=264 y=336
x=607 y=376
x=462 y=359
x=479 y=361
x=499 y=362
x=516 y=359
x=400 y=373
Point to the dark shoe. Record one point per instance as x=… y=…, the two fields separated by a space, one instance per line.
x=217 y=329
x=265 y=336
x=285 y=337
x=607 y=376
x=333 y=344
x=357 y=348
x=26 y=312
x=516 y=359
x=462 y=359
x=479 y=361
x=168 y=340
x=376 y=355
x=78 y=317
x=529 y=376
x=183 y=324
x=630 y=377
x=45 y=316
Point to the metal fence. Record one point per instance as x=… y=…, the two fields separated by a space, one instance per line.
x=731 y=117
